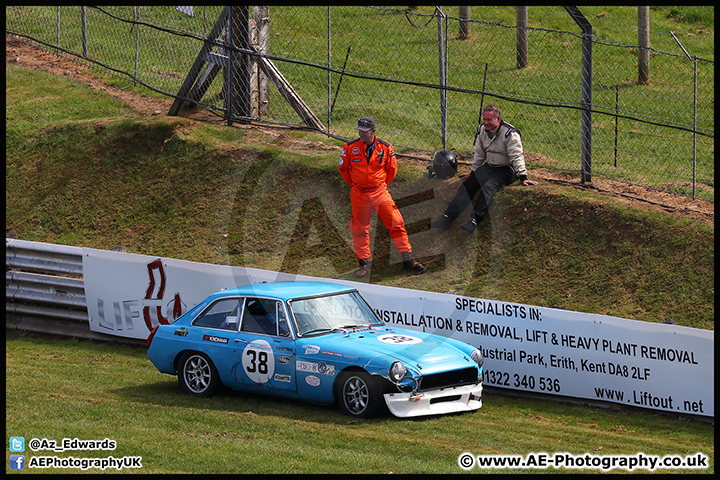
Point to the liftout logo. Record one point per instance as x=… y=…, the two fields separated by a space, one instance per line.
x=156 y=291
x=123 y=316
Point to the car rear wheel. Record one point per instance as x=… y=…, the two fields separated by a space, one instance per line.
x=359 y=395
x=197 y=375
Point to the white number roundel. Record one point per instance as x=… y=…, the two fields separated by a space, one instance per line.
x=258 y=361
x=398 y=339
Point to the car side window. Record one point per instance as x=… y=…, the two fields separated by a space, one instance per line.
x=264 y=316
x=223 y=314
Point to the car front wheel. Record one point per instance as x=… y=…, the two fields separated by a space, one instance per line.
x=359 y=395
x=197 y=375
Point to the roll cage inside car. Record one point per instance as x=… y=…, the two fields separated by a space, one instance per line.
x=264 y=316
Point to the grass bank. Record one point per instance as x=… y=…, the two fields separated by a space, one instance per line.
x=83 y=170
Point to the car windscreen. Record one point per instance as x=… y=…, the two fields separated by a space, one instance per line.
x=332 y=312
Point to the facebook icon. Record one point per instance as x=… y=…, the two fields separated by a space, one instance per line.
x=17 y=462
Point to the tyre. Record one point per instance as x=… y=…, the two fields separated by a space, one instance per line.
x=197 y=375
x=359 y=395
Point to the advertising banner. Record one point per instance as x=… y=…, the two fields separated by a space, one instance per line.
x=560 y=352
x=528 y=348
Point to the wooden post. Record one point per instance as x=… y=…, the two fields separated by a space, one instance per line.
x=289 y=94
x=200 y=61
x=522 y=36
x=260 y=41
x=237 y=67
x=464 y=32
x=643 y=45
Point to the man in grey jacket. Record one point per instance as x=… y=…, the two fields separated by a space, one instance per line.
x=498 y=161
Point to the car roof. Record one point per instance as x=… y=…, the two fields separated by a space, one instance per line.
x=284 y=290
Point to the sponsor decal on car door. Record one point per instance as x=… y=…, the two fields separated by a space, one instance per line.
x=266 y=350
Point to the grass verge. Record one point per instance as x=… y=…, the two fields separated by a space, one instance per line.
x=98 y=391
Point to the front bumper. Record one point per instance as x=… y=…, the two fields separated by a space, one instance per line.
x=435 y=402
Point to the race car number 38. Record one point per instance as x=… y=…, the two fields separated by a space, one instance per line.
x=258 y=361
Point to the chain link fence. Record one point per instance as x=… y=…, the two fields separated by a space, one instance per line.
x=409 y=69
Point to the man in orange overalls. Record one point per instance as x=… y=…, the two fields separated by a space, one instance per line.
x=368 y=165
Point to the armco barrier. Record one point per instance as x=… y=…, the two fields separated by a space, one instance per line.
x=529 y=350
x=45 y=290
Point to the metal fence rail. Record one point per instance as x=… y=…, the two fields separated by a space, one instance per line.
x=423 y=86
x=45 y=290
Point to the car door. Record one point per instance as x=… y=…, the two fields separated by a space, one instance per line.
x=265 y=346
x=214 y=331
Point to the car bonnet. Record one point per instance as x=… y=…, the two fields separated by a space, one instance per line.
x=431 y=353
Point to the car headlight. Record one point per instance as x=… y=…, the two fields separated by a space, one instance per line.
x=397 y=371
x=478 y=357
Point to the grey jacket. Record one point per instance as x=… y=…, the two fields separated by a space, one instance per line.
x=499 y=148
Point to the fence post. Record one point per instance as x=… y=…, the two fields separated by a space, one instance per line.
x=643 y=45
x=237 y=102
x=443 y=78
x=57 y=30
x=586 y=127
x=695 y=82
x=136 y=19
x=260 y=39
x=464 y=31
x=229 y=71
x=83 y=20
x=522 y=36
x=328 y=26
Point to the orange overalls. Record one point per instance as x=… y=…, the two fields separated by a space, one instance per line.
x=369 y=179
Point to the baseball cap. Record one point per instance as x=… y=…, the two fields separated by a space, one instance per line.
x=366 y=123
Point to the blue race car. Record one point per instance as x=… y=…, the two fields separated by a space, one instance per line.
x=320 y=343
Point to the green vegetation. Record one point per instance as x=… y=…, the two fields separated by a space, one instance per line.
x=97 y=176
x=693 y=15
x=632 y=150
x=82 y=169
x=98 y=391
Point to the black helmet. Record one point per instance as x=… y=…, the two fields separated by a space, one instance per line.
x=444 y=164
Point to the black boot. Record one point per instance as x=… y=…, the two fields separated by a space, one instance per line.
x=442 y=223
x=470 y=225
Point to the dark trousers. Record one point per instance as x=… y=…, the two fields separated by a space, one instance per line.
x=486 y=178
